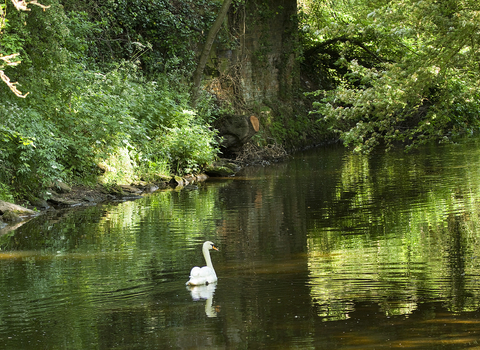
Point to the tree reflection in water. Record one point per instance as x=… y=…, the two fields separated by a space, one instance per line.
x=328 y=250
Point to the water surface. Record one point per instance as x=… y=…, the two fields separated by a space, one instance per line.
x=327 y=250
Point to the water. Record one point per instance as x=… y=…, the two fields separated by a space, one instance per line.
x=327 y=250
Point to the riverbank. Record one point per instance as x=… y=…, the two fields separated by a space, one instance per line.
x=60 y=195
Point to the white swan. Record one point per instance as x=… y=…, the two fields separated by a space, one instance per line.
x=206 y=274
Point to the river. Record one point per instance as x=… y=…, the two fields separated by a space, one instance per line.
x=326 y=250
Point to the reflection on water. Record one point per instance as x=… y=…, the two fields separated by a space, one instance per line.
x=328 y=250
x=205 y=293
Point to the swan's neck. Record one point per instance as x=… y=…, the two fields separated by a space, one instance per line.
x=208 y=260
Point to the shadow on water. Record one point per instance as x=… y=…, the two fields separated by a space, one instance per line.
x=327 y=250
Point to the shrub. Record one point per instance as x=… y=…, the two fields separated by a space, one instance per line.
x=188 y=148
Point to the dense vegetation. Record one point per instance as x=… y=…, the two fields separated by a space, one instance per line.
x=107 y=84
x=394 y=71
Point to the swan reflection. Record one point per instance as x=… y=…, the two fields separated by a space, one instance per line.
x=205 y=292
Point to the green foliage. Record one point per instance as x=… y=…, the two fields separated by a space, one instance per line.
x=402 y=71
x=78 y=115
x=173 y=28
x=103 y=114
x=189 y=147
x=6 y=193
x=30 y=148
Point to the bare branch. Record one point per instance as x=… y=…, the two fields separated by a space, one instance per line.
x=11 y=85
x=21 y=5
x=7 y=59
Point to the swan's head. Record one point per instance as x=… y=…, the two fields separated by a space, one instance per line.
x=209 y=245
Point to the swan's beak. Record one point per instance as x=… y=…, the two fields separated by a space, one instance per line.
x=213 y=247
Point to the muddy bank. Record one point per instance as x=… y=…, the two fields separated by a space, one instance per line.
x=60 y=195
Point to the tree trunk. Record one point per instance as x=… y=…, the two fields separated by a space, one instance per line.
x=212 y=33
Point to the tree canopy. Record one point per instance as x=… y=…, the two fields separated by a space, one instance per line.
x=112 y=78
x=395 y=71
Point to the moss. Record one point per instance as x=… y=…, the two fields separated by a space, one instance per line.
x=11 y=216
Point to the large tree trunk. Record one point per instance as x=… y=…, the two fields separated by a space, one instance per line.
x=212 y=33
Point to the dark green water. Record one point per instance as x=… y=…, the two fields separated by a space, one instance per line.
x=327 y=250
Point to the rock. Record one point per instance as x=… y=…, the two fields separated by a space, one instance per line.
x=162 y=178
x=60 y=187
x=39 y=203
x=151 y=188
x=178 y=181
x=62 y=202
x=10 y=216
x=235 y=167
x=140 y=183
x=5 y=206
x=236 y=130
x=130 y=189
x=201 y=177
x=189 y=179
x=114 y=190
x=221 y=169
x=161 y=185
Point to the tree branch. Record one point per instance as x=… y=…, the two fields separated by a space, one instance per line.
x=212 y=33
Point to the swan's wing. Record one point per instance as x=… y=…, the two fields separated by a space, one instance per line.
x=211 y=279
x=195 y=271
x=206 y=271
x=199 y=276
x=208 y=274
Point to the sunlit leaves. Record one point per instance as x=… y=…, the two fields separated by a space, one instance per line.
x=419 y=70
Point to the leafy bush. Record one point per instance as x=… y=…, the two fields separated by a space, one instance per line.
x=30 y=148
x=102 y=114
x=6 y=193
x=406 y=71
x=92 y=103
x=187 y=147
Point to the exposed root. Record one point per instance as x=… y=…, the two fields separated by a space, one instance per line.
x=252 y=153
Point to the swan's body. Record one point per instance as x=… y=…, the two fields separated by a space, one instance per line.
x=206 y=274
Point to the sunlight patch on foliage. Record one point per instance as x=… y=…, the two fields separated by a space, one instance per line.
x=404 y=71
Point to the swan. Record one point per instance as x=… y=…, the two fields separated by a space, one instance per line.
x=206 y=274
